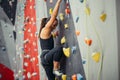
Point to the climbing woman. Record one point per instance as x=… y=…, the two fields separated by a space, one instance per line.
x=50 y=56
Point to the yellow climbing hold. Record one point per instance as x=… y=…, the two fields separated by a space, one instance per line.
x=66 y=26
x=64 y=77
x=87 y=10
x=61 y=15
x=50 y=11
x=66 y=52
x=96 y=56
x=63 y=40
x=53 y=34
x=103 y=17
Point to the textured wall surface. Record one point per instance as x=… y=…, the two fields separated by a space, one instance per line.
x=103 y=34
x=6 y=41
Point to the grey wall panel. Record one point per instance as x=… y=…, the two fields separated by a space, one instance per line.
x=6 y=40
x=7 y=32
x=118 y=31
x=107 y=33
x=19 y=28
x=73 y=64
x=4 y=59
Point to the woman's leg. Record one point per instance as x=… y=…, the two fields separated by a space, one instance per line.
x=49 y=72
x=47 y=67
x=54 y=56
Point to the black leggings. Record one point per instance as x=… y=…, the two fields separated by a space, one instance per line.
x=47 y=58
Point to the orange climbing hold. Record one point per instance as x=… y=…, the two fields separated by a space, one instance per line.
x=67 y=11
x=88 y=41
x=74 y=77
x=77 y=32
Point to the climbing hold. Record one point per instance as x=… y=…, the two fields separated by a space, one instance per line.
x=79 y=77
x=34 y=74
x=29 y=75
x=61 y=15
x=83 y=61
x=81 y=1
x=74 y=77
x=73 y=50
x=63 y=40
x=77 y=18
x=96 y=56
x=27 y=56
x=77 y=32
x=25 y=64
x=19 y=72
x=88 y=41
x=26 y=41
x=32 y=59
x=55 y=34
x=103 y=17
x=67 y=4
x=87 y=10
x=64 y=77
x=3 y=49
x=67 y=11
x=66 y=26
x=10 y=35
x=66 y=52
x=50 y=11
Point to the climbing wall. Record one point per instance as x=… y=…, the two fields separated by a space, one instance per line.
x=40 y=13
x=71 y=65
x=6 y=51
x=19 y=28
x=96 y=21
x=30 y=63
x=26 y=43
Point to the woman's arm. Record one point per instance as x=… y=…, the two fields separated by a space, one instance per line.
x=54 y=14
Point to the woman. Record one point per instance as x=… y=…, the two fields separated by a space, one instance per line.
x=50 y=57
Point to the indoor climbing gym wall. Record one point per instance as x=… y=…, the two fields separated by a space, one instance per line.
x=27 y=40
x=96 y=21
x=88 y=30
x=66 y=36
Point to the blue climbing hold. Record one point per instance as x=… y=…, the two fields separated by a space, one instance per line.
x=3 y=49
x=74 y=49
x=81 y=1
x=77 y=18
x=79 y=77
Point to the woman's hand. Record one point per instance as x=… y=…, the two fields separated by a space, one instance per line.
x=59 y=0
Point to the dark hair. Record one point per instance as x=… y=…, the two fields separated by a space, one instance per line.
x=43 y=23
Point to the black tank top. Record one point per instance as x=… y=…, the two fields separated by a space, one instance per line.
x=47 y=43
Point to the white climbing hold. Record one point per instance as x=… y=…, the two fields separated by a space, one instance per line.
x=29 y=75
